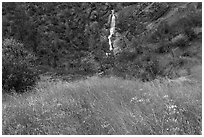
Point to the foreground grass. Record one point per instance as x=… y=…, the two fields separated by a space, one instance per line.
x=106 y=106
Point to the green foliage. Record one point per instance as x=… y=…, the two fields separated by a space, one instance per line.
x=106 y=106
x=17 y=70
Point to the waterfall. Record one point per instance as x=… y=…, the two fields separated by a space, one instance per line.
x=112 y=29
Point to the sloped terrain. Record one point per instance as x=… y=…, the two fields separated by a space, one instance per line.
x=155 y=39
x=106 y=106
x=62 y=81
x=171 y=38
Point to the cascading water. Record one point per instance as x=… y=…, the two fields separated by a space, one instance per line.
x=112 y=29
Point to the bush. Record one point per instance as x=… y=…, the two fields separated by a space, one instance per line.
x=17 y=71
x=89 y=64
x=141 y=64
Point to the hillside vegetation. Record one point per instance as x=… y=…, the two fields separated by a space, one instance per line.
x=69 y=40
x=59 y=77
x=106 y=106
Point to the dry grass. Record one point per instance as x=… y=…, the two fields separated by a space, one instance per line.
x=106 y=106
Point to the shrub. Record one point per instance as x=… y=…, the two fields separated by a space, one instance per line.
x=17 y=69
x=89 y=64
x=137 y=65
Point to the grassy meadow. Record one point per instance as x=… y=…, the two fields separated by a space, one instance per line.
x=106 y=106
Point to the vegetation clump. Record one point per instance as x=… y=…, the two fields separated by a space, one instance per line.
x=18 y=73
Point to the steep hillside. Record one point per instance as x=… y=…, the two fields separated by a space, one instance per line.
x=166 y=34
x=60 y=78
x=70 y=40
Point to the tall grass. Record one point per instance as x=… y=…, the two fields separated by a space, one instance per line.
x=106 y=106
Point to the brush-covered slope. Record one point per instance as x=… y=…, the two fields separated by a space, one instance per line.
x=161 y=39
